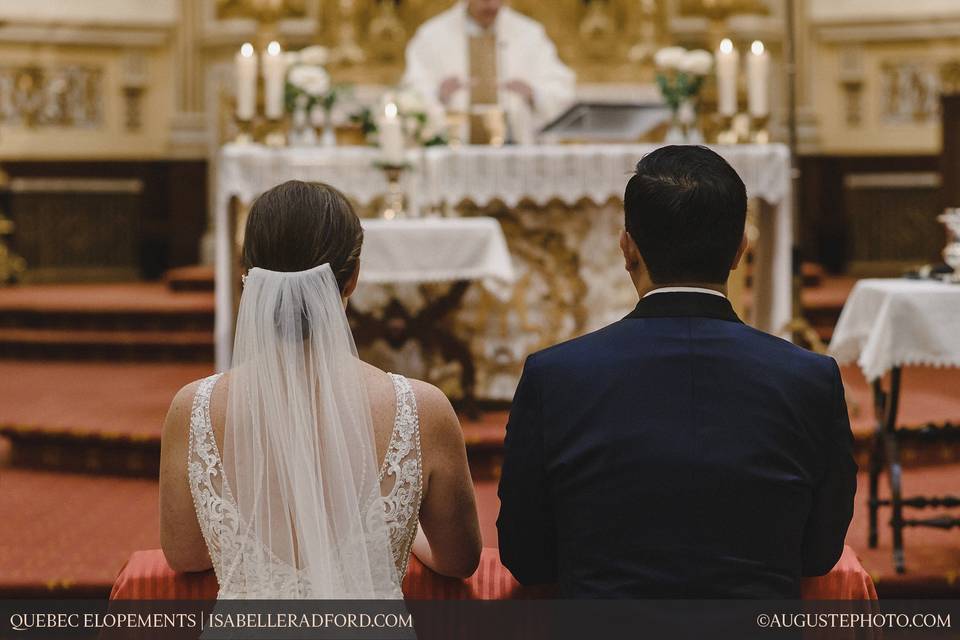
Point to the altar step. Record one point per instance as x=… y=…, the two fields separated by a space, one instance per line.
x=67 y=344
x=823 y=301
x=106 y=418
x=192 y=278
x=106 y=322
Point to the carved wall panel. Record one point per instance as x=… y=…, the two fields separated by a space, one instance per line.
x=909 y=92
x=58 y=95
x=892 y=221
x=77 y=228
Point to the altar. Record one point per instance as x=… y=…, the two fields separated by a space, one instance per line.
x=560 y=207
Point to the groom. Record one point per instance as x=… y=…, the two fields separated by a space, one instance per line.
x=678 y=452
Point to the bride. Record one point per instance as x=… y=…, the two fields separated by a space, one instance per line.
x=303 y=472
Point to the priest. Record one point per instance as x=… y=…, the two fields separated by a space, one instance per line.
x=480 y=56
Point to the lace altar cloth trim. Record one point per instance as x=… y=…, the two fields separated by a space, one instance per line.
x=890 y=323
x=479 y=174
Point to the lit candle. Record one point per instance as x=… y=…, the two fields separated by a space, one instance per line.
x=391 y=136
x=274 y=78
x=245 y=65
x=758 y=80
x=728 y=64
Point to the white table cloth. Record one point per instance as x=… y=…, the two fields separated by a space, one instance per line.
x=890 y=323
x=437 y=250
x=481 y=175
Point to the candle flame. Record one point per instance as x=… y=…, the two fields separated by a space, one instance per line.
x=757 y=48
x=246 y=50
x=726 y=45
x=391 y=110
x=273 y=48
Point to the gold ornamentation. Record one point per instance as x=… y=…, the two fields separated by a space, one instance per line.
x=950 y=77
x=12 y=266
x=55 y=96
x=266 y=12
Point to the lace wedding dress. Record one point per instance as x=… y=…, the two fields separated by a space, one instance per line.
x=400 y=476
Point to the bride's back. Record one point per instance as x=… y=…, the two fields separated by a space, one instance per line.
x=305 y=428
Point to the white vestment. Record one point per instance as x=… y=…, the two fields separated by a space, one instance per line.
x=439 y=50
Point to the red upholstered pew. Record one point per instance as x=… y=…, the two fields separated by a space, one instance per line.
x=146 y=576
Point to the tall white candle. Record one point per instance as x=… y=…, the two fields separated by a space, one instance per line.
x=391 y=136
x=728 y=65
x=245 y=65
x=274 y=79
x=758 y=80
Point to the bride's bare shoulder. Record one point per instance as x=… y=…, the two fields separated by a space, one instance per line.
x=438 y=420
x=178 y=415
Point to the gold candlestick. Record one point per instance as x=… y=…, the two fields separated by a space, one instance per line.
x=244 y=132
x=759 y=134
x=726 y=134
x=276 y=134
x=395 y=199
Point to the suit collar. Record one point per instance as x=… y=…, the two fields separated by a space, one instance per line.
x=685 y=305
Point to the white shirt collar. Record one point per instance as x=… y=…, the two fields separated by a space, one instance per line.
x=684 y=290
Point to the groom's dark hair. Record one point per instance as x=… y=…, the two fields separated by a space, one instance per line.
x=685 y=209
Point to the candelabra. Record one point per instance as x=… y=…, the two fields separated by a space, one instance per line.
x=394 y=200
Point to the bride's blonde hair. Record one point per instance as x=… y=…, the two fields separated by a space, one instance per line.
x=299 y=225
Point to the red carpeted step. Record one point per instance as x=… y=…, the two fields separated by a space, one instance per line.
x=192 y=278
x=94 y=417
x=69 y=535
x=105 y=307
x=69 y=344
x=108 y=322
x=813 y=274
x=823 y=302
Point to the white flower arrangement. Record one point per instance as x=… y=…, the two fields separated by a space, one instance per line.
x=308 y=83
x=680 y=73
x=424 y=123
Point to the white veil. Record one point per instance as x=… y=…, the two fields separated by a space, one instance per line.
x=299 y=448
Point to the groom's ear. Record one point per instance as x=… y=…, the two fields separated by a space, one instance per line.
x=631 y=254
x=741 y=250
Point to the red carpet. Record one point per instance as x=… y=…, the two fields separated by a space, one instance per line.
x=932 y=555
x=70 y=534
x=107 y=399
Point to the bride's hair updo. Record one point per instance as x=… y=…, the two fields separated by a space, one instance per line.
x=299 y=225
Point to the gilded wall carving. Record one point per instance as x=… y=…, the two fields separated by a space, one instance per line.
x=57 y=95
x=909 y=92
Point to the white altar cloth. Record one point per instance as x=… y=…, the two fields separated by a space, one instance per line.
x=482 y=175
x=897 y=322
x=436 y=250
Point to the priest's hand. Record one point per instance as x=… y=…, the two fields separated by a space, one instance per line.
x=522 y=89
x=449 y=87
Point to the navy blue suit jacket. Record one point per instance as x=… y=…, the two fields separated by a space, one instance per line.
x=676 y=453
